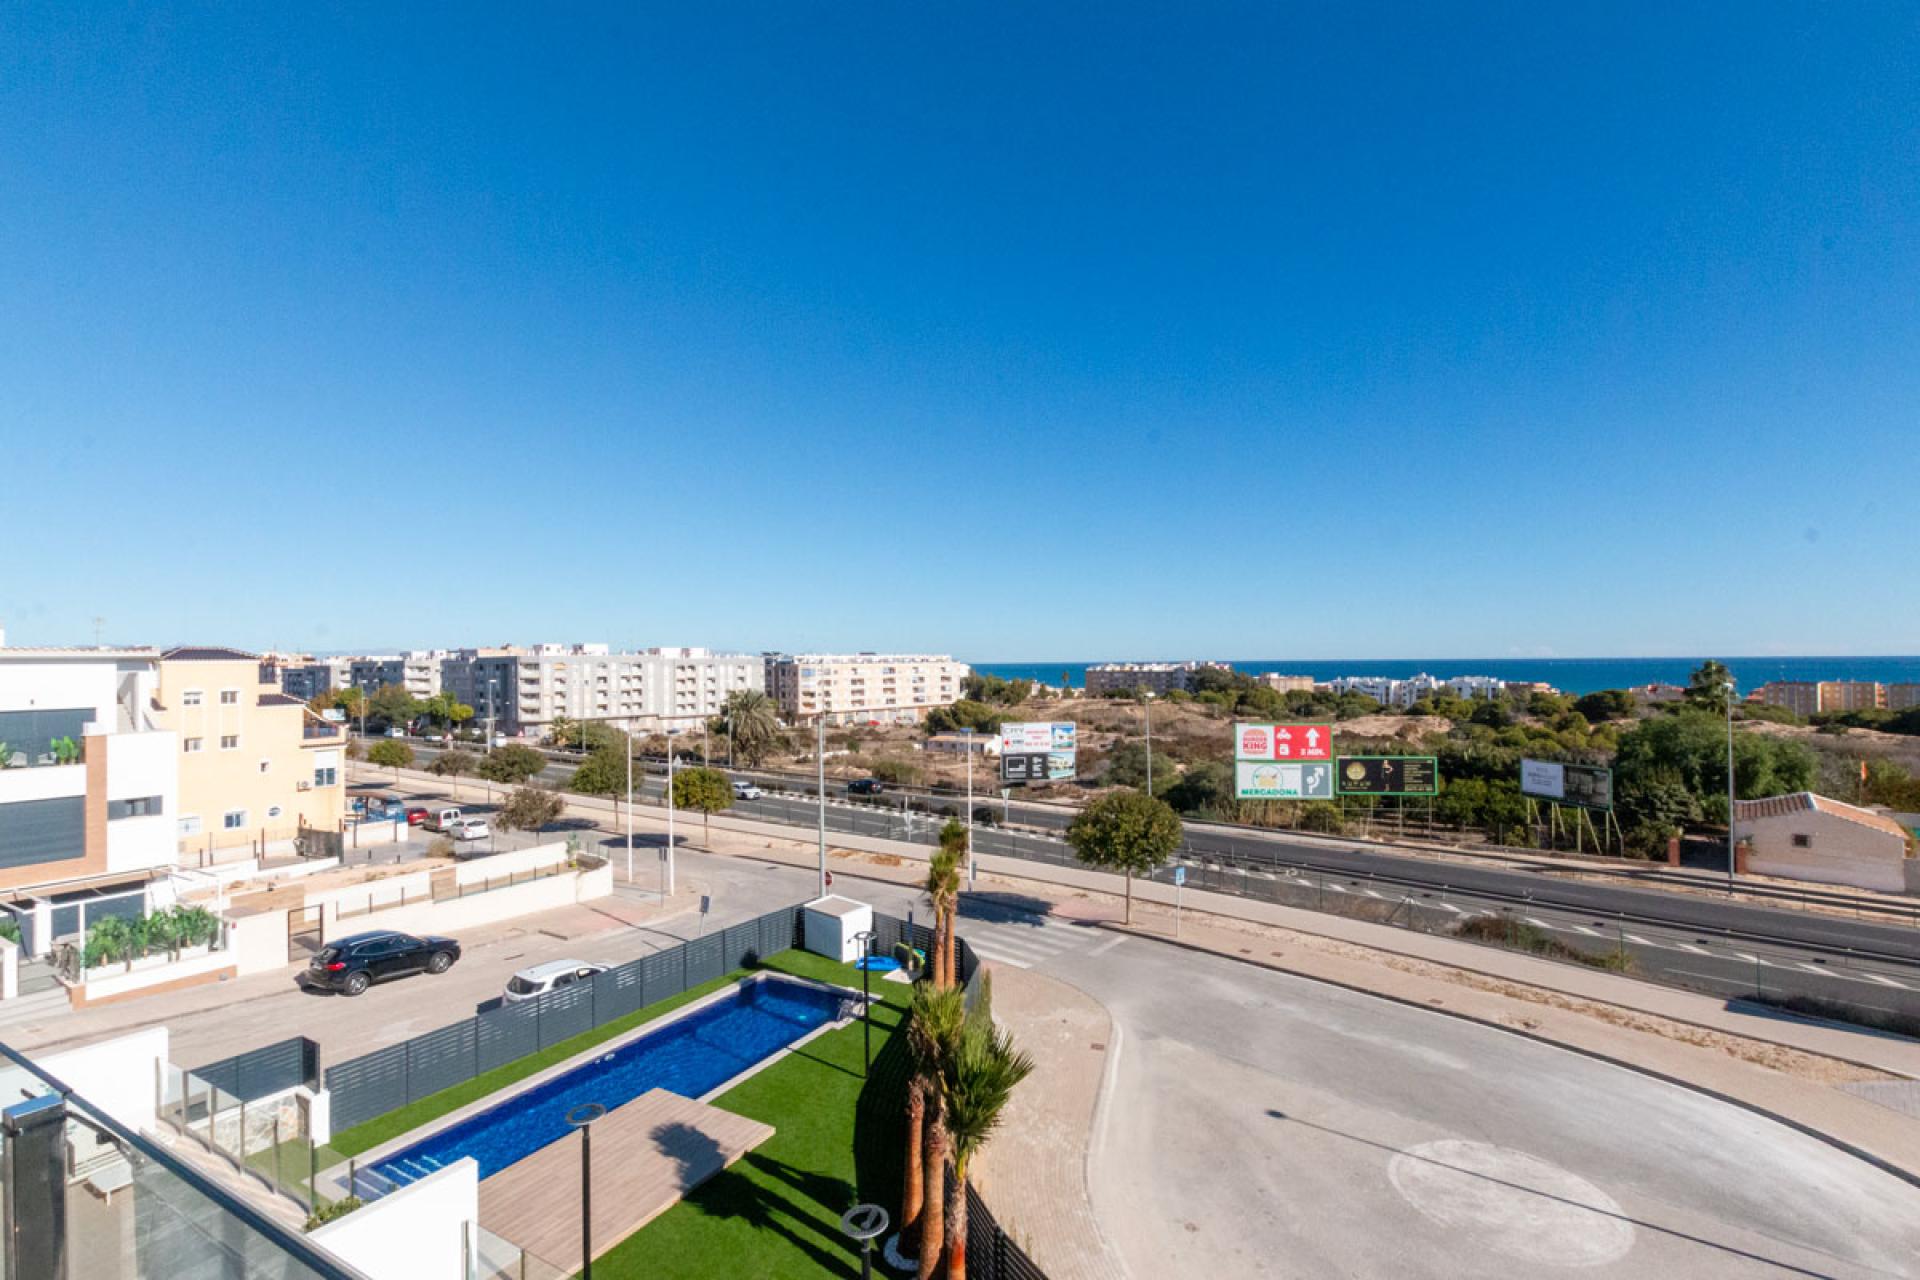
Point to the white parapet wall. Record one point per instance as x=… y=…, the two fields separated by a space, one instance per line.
x=499 y=866
x=424 y=1231
x=118 y=1076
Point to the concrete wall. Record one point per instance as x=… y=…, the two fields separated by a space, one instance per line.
x=490 y=907
x=1838 y=851
x=153 y=973
x=257 y=942
x=420 y=1232
x=117 y=1075
x=513 y=862
x=416 y=884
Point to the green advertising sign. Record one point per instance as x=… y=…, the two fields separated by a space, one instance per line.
x=1388 y=775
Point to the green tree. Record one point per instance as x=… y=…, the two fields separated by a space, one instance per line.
x=604 y=773
x=563 y=731
x=531 y=809
x=392 y=753
x=999 y=692
x=707 y=791
x=392 y=704
x=446 y=709
x=901 y=773
x=943 y=891
x=1653 y=804
x=350 y=700
x=1126 y=831
x=1127 y=767
x=965 y=714
x=1207 y=790
x=936 y=1022
x=1708 y=686
x=977 y=1081
x=753 y=720
x=453 y=764
x=512 y=764
x=1606 y=704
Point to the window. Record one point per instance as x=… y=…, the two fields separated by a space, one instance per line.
x=191 y=698
x=229 y=697
x=190 y=825
x=273 y=811
x=191 y=745
x=137 y=807
x=1803 y=842
x=234 y=819
x=266 y=765
x=325 y=777
x=229 y=742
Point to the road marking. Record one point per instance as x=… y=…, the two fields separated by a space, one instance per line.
x=1370 y=893
x=1885 y=982
x=1581 y=928
x=1108 y=945
x=1811 y=968
x=1538 y=923
x=1639 y=941
x=1448 y=906
x=1688 y=946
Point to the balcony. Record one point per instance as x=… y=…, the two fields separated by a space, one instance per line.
x=38 y=739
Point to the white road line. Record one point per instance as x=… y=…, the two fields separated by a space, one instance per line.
x=1639 y=941
x=1688 y=946
x=1108 y=945
x=1370 y=893
x=1448 y=906
x=1885 y=982
x=1581 y=928
x=1538 y=923
x=1811 y=968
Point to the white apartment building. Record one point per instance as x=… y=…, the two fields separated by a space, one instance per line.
x=88 y=787
x=1154 y=677
x=862 y=688
x=1390 y=692
x=525 y=689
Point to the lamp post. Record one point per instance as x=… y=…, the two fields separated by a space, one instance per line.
x=820 y=761
x=973 y=870
x=1146 y=704
x=865 y=938
x=582 y=1118
x=629 y=749
x=863 y=1224
x=666 y=872
x=1728 y=688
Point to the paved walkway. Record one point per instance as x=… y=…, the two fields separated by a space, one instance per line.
x=1034 y=1172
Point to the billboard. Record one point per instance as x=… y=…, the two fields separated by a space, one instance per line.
x=1039 y=751
x=1388 y=775
x=1586 y=785
x=1282 y=742
x=1277 y=780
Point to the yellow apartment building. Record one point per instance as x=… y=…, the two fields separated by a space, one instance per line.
x=256 y=766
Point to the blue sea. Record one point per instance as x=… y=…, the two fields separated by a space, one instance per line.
x=1571 y=675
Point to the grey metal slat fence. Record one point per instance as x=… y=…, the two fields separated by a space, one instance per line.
x=378 y=1082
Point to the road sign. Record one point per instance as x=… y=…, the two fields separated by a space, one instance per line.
x=1585 y=785
x=706 y=903
x=1283 y=742
x=1388 y=775
x=1040 y=751
x=1258 y=780
x=1179 y=876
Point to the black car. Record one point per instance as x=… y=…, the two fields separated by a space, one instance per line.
x=352 y=964
x=866 y=787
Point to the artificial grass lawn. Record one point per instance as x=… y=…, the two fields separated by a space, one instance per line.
x=837 y=1140
x=371 y=1133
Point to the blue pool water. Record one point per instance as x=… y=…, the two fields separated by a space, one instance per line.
x=690 y=1056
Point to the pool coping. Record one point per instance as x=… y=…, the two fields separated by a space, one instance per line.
x=334 y=1179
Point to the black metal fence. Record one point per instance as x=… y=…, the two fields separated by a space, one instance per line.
x=991 y=1252
x=378 y=1082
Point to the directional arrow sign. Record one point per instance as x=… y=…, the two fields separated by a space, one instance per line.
x=1283 y=742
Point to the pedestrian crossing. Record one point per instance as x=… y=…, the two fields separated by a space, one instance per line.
x=1024 y=941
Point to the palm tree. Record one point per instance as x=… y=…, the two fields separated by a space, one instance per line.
x=977 y=1079
x=753 y=723
x=943 y=887
x=933 y=1024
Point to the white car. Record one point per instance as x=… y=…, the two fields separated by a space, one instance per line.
x=469 y=829
x=539 y=979
x=744 y=790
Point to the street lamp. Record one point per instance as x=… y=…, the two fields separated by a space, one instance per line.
x=865 y=938
x=864 y=1223
x=973 y=870
x=629 y=753
x=1146 y=704
x=820 y=761
x=1728 y=687
x=582 y=1118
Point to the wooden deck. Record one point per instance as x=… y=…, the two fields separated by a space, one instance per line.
x=646 y=1155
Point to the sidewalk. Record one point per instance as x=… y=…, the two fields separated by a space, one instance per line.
x=1788 y=1068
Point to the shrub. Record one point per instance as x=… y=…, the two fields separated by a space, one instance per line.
x=328 y=1210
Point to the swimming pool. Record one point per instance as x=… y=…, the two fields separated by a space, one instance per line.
x=690 y=1056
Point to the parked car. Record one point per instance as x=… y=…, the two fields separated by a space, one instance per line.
x=744 y=790
x=396 y=731
x=866 y=787
x=537 y=980
x=417 y=816
x=352 y=964
x=442 y=819
x=469 y=829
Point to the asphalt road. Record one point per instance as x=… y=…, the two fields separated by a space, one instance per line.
x=1732 y=950
x=1260 y=1124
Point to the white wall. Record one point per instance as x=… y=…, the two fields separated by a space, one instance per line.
x=490 y=907
x=68 y=682
x=117 y=1076
x=416 y=1233
x=1840 y=852
x=257 y=943
x=513 y=862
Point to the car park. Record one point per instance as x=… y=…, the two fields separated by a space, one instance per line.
x=351 y=964
x=744 y=790
x=537 y=980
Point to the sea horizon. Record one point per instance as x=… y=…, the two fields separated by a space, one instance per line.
x=1570 y=675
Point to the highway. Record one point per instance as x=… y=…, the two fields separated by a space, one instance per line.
x=1732 y=949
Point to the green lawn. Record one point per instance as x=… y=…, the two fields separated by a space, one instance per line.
x=837 y=1140
x=366 y=1136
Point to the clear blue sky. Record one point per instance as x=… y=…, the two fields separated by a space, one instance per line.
x=1017 y=331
